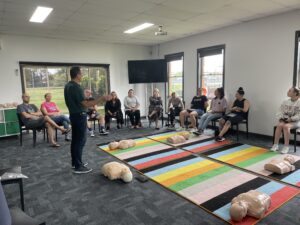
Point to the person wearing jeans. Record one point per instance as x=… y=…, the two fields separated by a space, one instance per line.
x=77 y=106
x=217 y=109
x=132 y=105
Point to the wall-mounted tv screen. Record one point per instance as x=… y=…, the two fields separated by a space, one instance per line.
x=147 y=71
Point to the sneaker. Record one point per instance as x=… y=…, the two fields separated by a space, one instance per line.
x=67 y=137
x=285 y=149
x=82 y=170
x=92 y=133
x=198 y=132
x=103 y=132
x=275 y=148
x=219 y=139
x=193 y=130
x=83 y=164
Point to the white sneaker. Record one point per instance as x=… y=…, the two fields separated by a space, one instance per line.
x=275 y=148
x=285 y=149
x=193 y=130
x=92 y=133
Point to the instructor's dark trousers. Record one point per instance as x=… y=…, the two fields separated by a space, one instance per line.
x=79 y=127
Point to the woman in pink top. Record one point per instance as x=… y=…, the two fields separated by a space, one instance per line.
x=50 y=109
x=217 y=109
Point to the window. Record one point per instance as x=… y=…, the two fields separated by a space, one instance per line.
x=40 y=78
x=211 y=68
x=296 y=80
x=175 y=74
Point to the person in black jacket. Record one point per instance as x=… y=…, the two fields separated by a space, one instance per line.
x=113 y=110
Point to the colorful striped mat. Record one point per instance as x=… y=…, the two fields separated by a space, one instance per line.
x=163 y=138
x=245 y=156
x=204 y=182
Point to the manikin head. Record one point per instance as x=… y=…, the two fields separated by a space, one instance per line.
x=238 y=210
x=48 y=97
x=25 y=98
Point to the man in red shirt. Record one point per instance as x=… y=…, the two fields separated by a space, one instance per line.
x=50 y=109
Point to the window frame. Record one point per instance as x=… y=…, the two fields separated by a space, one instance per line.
x=206 y=51
x=170 y=58
x=296 y=60
x=46 y=64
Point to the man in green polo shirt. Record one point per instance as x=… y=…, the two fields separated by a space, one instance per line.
x=77 y=105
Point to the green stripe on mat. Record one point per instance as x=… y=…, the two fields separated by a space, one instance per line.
x=256 y=159
x=198 y=179
x=113 y=152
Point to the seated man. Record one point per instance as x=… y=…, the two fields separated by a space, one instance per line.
x=34 y=119
x=132 y=105
x=92 y=114
x=198 y=107
x=175 y=106
x=50 y=109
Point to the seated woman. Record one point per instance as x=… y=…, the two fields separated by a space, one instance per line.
x=113 y=110
x=50 y=109
x=155 y=107
x=132 y=105
x=238 y=112
x=217 y=109
x=198 y=106
x=175 y=106
x=288 y=118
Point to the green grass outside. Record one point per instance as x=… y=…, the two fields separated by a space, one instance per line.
x=37 y=98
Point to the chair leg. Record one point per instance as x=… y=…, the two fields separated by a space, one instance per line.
x=55 y=134
x=237 y=132
x=274 y=129
x=22 y=194
x=21 y=138
x=247 y=134
x=94 y=124
x=34 y=137
x=295 y=140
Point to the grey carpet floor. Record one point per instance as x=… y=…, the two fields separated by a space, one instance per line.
x=55 y=195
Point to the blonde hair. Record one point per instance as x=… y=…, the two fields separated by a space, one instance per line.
x=156 y=90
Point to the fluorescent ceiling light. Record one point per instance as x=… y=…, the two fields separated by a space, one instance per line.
x=138 y=28
x=40 y=14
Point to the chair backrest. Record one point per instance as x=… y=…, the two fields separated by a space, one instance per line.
x=5 y=217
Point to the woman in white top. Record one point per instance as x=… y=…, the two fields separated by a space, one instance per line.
x=288 y=118
x=132 y=105
x=217 y=109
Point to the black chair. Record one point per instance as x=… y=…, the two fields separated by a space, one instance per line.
x=294 y=131
x=14 y=216
x=22 y=128
x=17 y=170
x=245 y=121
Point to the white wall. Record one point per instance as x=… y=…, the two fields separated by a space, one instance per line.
x=259 y=57
x=23 y=48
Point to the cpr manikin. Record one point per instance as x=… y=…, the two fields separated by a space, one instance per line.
x=252 y=203
x=281 y=166
x=179 y=138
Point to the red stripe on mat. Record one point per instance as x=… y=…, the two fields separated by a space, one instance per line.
x=161 y=160
x=277 y=199
x=207 y=147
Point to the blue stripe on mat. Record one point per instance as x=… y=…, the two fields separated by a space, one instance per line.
x=173 y=167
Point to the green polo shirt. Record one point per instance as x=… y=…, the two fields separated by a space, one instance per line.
x=73 y=97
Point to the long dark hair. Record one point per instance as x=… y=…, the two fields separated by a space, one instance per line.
x=221 y=92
